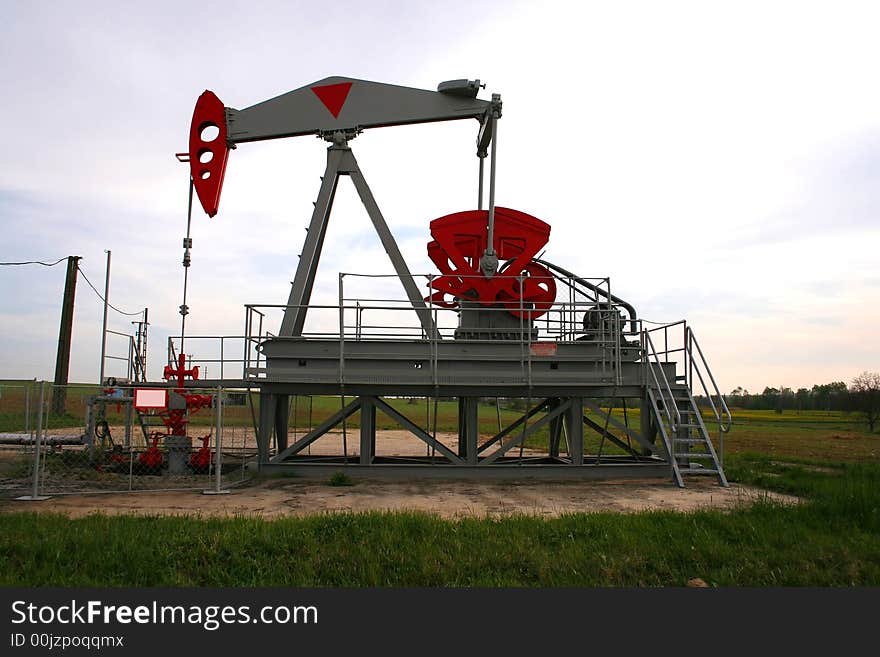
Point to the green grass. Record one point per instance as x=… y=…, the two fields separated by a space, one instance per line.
x=340 y=479
x=825 y=435
x=831 y=539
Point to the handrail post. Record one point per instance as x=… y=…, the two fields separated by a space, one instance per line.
x=673 y=424
x=341 y=333
x=245 y=359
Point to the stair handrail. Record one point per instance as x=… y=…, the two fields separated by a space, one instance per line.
x=690 y=342
x=651 y=353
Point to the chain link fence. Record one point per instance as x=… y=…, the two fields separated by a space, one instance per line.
x=58 y=440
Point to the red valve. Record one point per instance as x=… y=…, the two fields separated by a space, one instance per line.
x=200 y=461
x=460 y=240
x=151 y=460
x=181 y=372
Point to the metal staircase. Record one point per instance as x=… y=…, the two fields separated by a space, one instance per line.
x=687 y=441
x=677 y=416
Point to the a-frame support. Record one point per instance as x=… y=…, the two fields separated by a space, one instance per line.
x=341 y=162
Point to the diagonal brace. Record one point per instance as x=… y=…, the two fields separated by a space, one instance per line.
x=498 y=436
x=521 y=436
x=593 y=406
x=598 y=428
x=319 y=431
x=416 y=430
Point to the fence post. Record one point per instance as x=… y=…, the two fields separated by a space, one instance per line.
x=35 y=493
x=218 y=447
x=27 y=409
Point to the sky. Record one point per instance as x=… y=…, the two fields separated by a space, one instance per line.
x=718 y=161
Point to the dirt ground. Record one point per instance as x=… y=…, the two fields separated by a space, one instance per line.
x=448 y=498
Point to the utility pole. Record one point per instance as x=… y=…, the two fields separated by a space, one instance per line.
x=62 y=360
x=104 y=327
x=140 y=348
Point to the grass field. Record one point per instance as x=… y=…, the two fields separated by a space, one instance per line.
x=831 y=539
x=830 y=435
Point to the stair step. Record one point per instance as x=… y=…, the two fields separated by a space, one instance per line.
x=693 y=455
x=698 y=471
x=689 y=440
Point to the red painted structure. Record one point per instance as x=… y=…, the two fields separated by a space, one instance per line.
x=526 y=288
x=176 y=420
x=207 y=157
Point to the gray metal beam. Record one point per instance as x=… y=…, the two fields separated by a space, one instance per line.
x=365 y=104
x=556 y=425
x=368 y=430
x=416 y=430
x=469 y=429
x=646 y=427
x=301 y=288
x=598 y=428
x=498 y=436
x=267 y=417
x=520 y=437
x=574 y=429
x=282 y=415
x=341 y=161
x=391 y=248
x=319 y=431
x=593 y=406
x=498 y=471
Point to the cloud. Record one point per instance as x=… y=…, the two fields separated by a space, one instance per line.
x=717 y=163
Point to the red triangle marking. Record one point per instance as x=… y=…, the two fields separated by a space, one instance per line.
x=333 y=96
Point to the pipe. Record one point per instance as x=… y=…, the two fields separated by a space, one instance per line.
x=595 y=288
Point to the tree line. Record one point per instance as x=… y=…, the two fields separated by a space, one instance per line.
x=862 y=395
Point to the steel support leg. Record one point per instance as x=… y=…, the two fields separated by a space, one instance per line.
x=400 y=266
x=267 y=417
x=646 y=425
x=555 y=428
x=468 y=435
x=301 y=288
x=574 y=428
x=368 y=430
x=341 y=161
x=282 y=418
x=462 y=430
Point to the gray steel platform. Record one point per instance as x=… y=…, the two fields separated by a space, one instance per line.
x=451 y=368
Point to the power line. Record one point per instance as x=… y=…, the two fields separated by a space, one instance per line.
x=101 y=297
x=33 y=262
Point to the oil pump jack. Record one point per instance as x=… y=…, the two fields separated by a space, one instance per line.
x=512 y=338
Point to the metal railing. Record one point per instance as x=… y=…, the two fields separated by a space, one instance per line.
x=586 y=311
x=135 y=359
x=680 y=346
x=720 y=410
x=653 y=364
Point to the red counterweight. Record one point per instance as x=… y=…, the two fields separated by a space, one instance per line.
x=526 y=288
